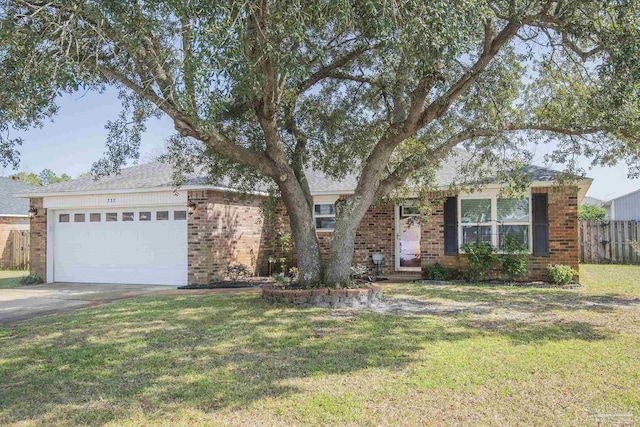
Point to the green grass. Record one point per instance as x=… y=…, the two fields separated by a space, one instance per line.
x=11 y=278
x=473 y=356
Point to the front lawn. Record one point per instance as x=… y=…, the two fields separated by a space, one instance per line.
x=465 y=356
x=11 y=278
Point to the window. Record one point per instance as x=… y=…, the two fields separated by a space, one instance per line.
x=112 y=216
x=63 y=218
x=144 y=216
x=495 y=221
x=325 y=216
x=162 y=215
x=78 y=218
x=179 y=215
x=127 y=216
x=475 y=217
x=410 y=211
x=95 y=217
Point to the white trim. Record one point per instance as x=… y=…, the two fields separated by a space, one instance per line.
x=51 y=215
x=14 y=216
x=135 y=190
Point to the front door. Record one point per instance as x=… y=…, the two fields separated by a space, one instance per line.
x=408 y=231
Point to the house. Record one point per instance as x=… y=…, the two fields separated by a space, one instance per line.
x=623 y=208
x=136 y=228
x=14 y=217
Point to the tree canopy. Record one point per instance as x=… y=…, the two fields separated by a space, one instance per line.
x=591 y=212
x=46 y=177
x=264 y=89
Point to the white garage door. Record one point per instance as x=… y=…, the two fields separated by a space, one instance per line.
x=131 y=246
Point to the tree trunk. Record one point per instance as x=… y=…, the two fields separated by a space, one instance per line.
x=349 y=213
x=303 y=231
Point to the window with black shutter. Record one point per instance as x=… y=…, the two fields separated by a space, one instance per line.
x=540 y=210
x=451 y=226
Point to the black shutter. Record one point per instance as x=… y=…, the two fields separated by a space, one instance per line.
x=451 y=226
x=540 y=224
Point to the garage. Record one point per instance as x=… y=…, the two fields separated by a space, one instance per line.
x=142 y=245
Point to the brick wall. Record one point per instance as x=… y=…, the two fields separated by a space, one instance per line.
x=224 y=231
x=38 y=231
x=563 y=235
x=7 y=225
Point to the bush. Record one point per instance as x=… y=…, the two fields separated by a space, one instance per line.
x=437 y=271
x=482 y=258
x=514 y=259
x=591 y=212
x=560 y=274
x=358 y=271
x=32 y=279
x=236 y=272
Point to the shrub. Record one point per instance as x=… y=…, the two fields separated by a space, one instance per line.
x=482 y=258
x=236 y=272
x=32 y=279
x=514 y=259
x=358 y=271
x=437 y=271
x=560 y=274
x=591 y=212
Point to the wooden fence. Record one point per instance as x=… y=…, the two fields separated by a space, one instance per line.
x=20 y=241
x=610 y=242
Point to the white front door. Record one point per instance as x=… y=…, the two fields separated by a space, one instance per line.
x=121 y=245
x=408 y=232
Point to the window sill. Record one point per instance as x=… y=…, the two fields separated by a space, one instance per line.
x=324 y=230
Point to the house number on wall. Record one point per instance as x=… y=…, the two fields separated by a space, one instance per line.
x=111 y=200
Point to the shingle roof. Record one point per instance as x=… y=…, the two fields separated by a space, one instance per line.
x=9 y=205
x=159 y=175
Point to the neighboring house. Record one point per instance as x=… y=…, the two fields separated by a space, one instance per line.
x=136 y=228
x=624 y=208
x=606 y=205
x=14 y=216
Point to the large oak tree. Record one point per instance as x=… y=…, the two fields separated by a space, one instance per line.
x=266 y=89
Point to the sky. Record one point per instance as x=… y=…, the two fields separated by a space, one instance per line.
x=76 y=138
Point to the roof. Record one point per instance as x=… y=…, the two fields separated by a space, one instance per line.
x=10 y=205
x=160 y=176
x=593 y=201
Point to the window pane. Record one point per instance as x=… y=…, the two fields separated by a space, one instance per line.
x=325 y=209
x=144 y=216
x=78 y=218
x=180 y=215
x=64 y=218
x=162 y=215
x=325 y=223
x=410 y=210
x=95 y=217
x=513 y=210
x=127 y=216
x=476 y=234
x=113 y=216
x=475 y=210
x=518 y=234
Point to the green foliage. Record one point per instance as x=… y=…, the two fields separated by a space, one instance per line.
x=436 y=271
x=591 y=212
x=46 y=177
x=513 y=260
x=482 y=258
x=32 y=279
x=560 y=274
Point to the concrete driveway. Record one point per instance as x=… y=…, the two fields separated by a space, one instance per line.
x=40 y=300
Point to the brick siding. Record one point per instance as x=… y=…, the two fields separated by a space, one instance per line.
x=38 y=231
x=225 y=231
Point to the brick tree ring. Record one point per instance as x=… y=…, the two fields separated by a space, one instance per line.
x=368 y=296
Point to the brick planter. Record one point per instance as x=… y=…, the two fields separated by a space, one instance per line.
x=325 y=298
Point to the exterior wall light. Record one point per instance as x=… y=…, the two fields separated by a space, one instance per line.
x=33 y=211
x=191 y=207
